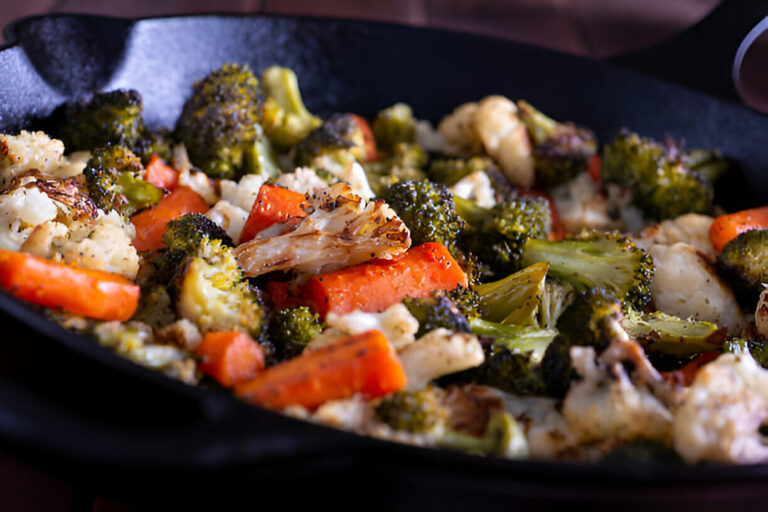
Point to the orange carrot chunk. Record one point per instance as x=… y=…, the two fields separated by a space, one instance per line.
x=150 y=224
x=230 y=357
x=595 y=170
x=377 y=284
x=274 y=204
x=90 y=293
x=161 y=174
x=364 y=363
x=369 y=143
x=727 y=227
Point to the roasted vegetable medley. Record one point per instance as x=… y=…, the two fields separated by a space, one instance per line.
x=503 y=284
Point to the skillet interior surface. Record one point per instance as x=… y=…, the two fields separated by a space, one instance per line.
x=135 y=418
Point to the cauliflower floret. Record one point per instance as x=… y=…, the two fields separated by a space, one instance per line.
x=104 y=244
x=686 y=285
x=457 y=129
x=437 y=353
x=606 y=405
x=429 y=138
x=303 y=180
x=581 y=206
x=21 y=211
x=723 y=411
x=691 y=228
x=477 y=187
x=200 y=183
x=761 y=314
x=546 y=431
x=229 y=217
x=395 y=322
x=36 y=150
x=243 y=193
x=342 y=230
x=348 y=170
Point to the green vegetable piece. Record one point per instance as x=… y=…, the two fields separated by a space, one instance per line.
x=292 y=329
x=394 y=125
x=745 y=261
x=418 y=411
x=285 y=119
x=514 y=299
x=672 y=335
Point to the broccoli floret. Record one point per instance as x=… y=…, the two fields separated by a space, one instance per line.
x=218 y=122
x=502 y=437
x=285 y=118
x=602 y=260
x=292 y=329
x=155 y=307
x=435 y=311
x=394 y=125
x=708 y=163
x=183 y=238
x=106 y=118
x=427 y=209
x=339 y=134
x=514 y=299
x=153 y=143
x=418 y=411
x=561 y=151
x=662 y=185
x=404 y=164
x=557 y=296
x=757 y=349
x=212 y=292
x=745 y=261
x=497 y=235
x=468 y=301
x=114 y=177
x=593 y=319
x=671 y=335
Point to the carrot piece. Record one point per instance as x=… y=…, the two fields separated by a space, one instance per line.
x=150 y=224
x=727 y=227
x=90 y=293
x=595 y=170
x=274 y=204
x=369 y=142
x=161 y=174
x=685 y=375
x=230 y=357
x=557 y=231
x=377 y=284
x=364 y=363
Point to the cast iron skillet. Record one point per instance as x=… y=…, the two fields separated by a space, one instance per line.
x=75 y=405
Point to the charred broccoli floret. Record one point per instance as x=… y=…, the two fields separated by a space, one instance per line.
x=183 y=238
x=212 y=292
x=602 y=260
x=418 y=411
x=218 y=122
x=662 y=185
x=497 y=235
x=292 y=329
x=394 y=125
x=285 y=118
x=114 y=177
x=435 y=311
x=106 y=118
x=561 y=151
x=745 y=261
x=338 y=136
x=660 y=332
x=593 y=319
x=467 y=300
x=427 y=209
x=404 y=164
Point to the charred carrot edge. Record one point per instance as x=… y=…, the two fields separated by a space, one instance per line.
x=685 y=375
x=273 y=204
x=369 y=142
x=595 y=170
x=727 y=227
x=362 y=364
x=150 y=224
x=230 y=357
x=90 y=293
x=376 y=285
x=161 y=174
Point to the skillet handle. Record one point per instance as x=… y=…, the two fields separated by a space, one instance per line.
x=702 y=57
